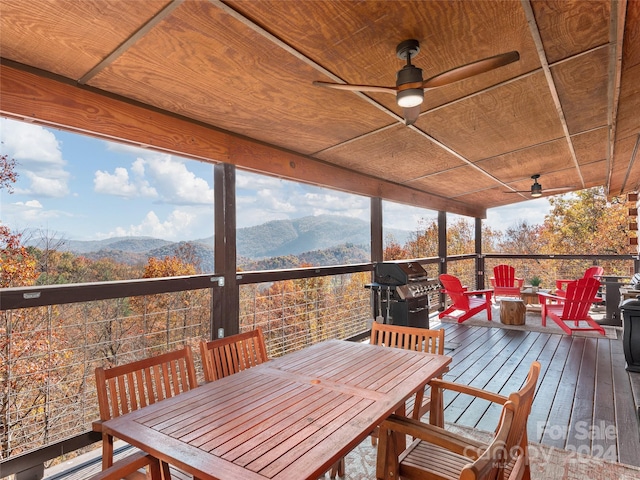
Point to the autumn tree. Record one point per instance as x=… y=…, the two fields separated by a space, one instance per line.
x=521 y=238
x=424 y=241
x=586 y=222
x=29 y=369
x=393 y=250
x=166 y=319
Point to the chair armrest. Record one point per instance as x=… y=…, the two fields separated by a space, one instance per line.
x=128 y=465
x=520 y=282
x=478 y=292
x=493 y=281
x=543 y=297
x=96 y=426
x=468 y=390
x=434 y=435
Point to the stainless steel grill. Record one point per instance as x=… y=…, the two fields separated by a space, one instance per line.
x=400 y=293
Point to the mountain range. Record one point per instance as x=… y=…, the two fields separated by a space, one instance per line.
x=316 y=240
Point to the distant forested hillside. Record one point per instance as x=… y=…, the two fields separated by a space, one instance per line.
x=313 y=240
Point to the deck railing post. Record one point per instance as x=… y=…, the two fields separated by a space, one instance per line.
x=442 y=250
x=480 y=277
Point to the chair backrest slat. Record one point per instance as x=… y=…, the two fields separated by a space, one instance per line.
x=504 y=275
x=126 y=388
x=523 y=399
x=579 y=297
x=453 y=287
x=408 y=338
x=593 y=272
x=229 y=355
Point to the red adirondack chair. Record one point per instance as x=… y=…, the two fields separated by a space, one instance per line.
x=591 y=272
x=469 y=302
x=571 y=312
x=504 y=281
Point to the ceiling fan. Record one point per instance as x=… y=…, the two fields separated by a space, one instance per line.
x=536 y=188
x=410 y=87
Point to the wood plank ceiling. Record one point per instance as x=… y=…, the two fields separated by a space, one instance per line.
x=568 y=109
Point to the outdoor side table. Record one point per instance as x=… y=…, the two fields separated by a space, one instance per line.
x=512 y=311
x=530 y=298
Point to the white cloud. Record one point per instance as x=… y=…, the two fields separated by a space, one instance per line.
x=33 y=204
x=175 y=183
x=254 y=181
x=156 y=175
x=272 y=200
x=405 y=217
x=262 y=199
x=173 y=228
x=29 y=214
x=116 y=183
x=38 y=153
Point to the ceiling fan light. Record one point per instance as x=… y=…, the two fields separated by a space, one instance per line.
x=411 y=97
x=536 y=190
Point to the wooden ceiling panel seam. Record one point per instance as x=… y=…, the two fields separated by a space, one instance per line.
x=535 y=33
x=439 y=107
x=132 y=39
x=281 y=44
x=299 y=55
x=632 y=160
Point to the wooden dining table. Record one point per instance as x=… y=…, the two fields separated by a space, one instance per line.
x=290 y=418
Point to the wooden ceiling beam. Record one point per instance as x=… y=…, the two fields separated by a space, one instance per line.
x=33 y=96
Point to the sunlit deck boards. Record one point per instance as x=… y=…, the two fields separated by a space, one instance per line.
x=584 y=400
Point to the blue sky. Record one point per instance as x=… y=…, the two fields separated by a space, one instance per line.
x=82 y=188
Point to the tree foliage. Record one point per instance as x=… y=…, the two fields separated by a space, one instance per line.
x=586 y=222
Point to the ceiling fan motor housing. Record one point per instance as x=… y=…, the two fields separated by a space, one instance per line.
x=414 y=94
x=409 y=75
x=536 y=189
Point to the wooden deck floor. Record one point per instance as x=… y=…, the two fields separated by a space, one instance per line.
x=584 y=400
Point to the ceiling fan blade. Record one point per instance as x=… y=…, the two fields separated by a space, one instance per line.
x=471 y=69
x=411 y=114
x=357 y=88
x=517 y=191
x=559 y=189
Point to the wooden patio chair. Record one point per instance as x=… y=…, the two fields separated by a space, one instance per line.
x=124 y=467
x=229 y=355
x=125 y=388
x=591 y=272
x=410 y=338
x=571 y=311
x=469 y=302
x=505 y=283
x=437 y=453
